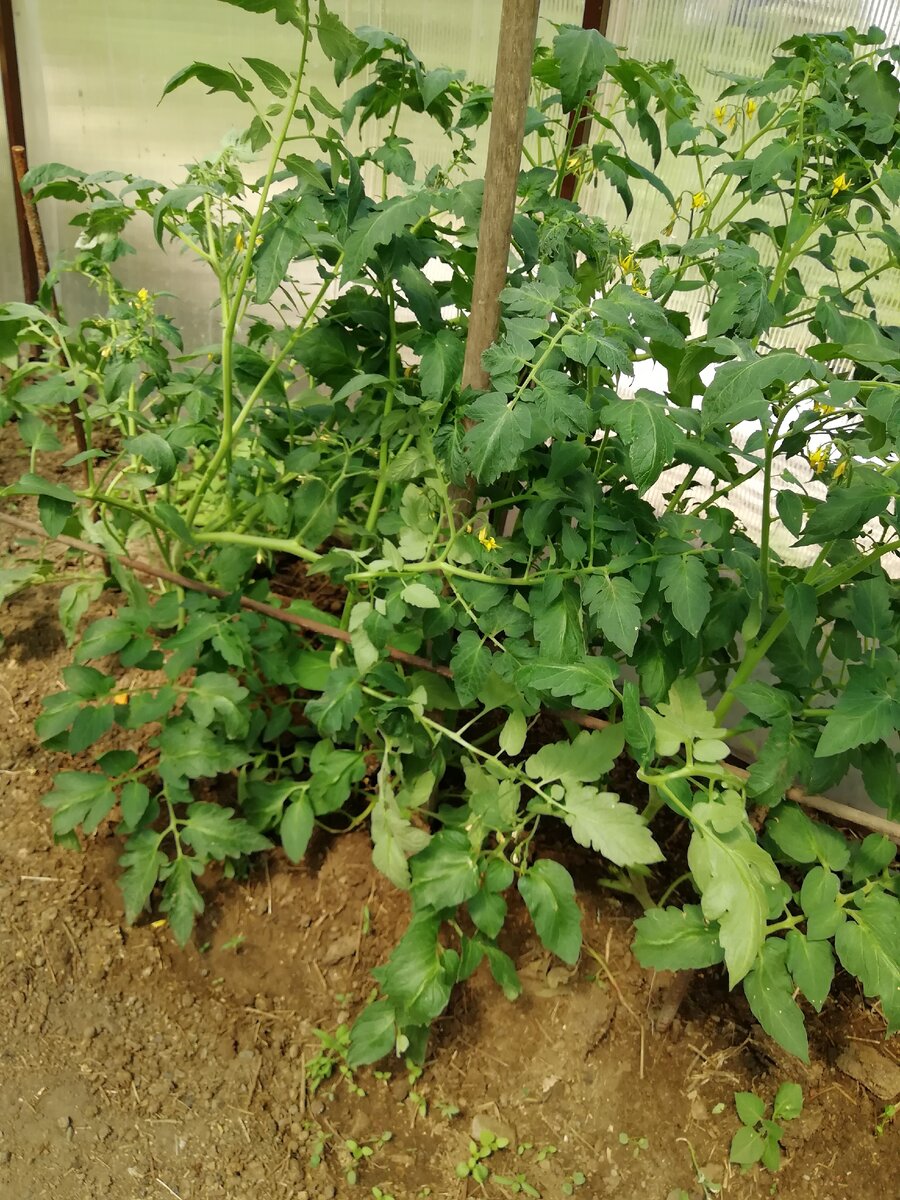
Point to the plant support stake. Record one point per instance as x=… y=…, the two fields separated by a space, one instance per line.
x=518 y=30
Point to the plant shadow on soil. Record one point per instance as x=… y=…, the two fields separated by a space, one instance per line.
x=130 y=1069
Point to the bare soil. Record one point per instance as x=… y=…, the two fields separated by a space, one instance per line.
x=132 y=1070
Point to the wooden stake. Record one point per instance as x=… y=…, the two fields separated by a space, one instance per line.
x=512 y=84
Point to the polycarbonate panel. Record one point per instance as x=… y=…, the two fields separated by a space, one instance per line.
x=93 y=74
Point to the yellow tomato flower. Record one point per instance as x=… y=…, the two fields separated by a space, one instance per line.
x=824 y=409
x=840 y=184
x=720 y=114
x=239 y=241
x=143 y=295
x=486 y=540
x=627 y=263
x=750 y=108
x=105 y=351
x=732 y=124
x=818 y=459
x=120 y=698
x=699 y=200
x=841 y=468
x=641 y=291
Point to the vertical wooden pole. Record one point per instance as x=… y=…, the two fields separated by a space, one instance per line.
x=596 y=16
x=518 y=29
x=15 y=127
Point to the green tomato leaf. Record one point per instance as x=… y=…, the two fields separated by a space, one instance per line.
x=811 y=964
x=380 y=226
x=216 y=697
x=586 y=684
x=615 y=603
x=181 y=902
x=603 y=822
x=769 y=990
x=441 y=364
x=339 y=703
x=79 y=798
x=142 y=861
x=733 y=874
x=549 y=895
x=372 y=1035
x=470 y=661
x=216 y=833
x=805 y=840
x=296 y=827
x=868 y=945
x=676 y=939
x=495 y=442
x=583 y=56
x=444 y=873
x=687 y=589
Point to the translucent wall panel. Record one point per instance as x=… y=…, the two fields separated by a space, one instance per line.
x=92 y=86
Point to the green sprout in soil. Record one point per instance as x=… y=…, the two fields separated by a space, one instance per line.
x=475 y=1165
x=759 y=1139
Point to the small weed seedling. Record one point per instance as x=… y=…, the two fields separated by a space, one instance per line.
x=236 y=943
x=517 y=1184
x=638 y=1144
x=572 y=1182
x=358 y=1152
x=317 y=1147
x=379 y=1194
x=415 y=1098
x=475 y=1165
x=448 y=1110
x=759 y=1139
x=333 y=1057
x=888 y=1113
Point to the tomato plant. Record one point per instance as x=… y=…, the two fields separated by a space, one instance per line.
x=329 y=425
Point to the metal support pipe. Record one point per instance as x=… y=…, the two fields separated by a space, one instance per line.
x=15 y=128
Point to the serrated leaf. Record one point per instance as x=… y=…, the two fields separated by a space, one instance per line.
x=419 y=595
x=549 y=895
x=583 y=55
x=414 y=979
x=587 y=684
x=339 y=703
x=470 y=661
x=585 y=759
x=614 y=601
x=735 y=393
x=379 y=227
x=868 y=945
x=79 y=798
x=215 y=79
x=495 y=442
x=187 y=750
x=218 y=697
x=819 y=900
x=805 y=840
x=606 y=824
x=216 y=833
x=272 y=77
x=648 y=434
x=444 y=873
x=142 y=861
x=441 y=364
x=685 y=720
x=732 y=873
x=676 y=939
x=157 y=452
x=687 y=589
x=769 y=991
x=394 y=840
x=180 y=901
x=811 y=964
x=338 y=43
